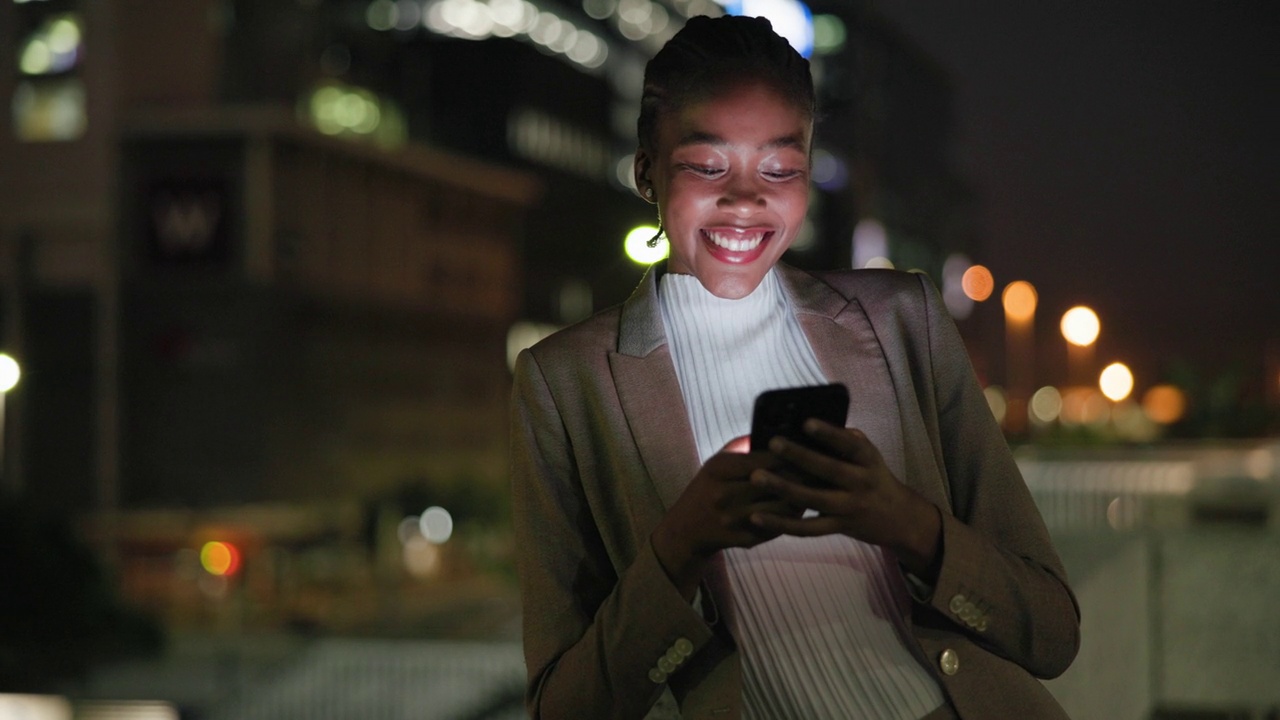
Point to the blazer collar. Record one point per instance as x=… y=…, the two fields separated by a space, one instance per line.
x=641 y=330
x=649 y=389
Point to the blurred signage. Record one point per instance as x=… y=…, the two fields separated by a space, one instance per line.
x=188 y=222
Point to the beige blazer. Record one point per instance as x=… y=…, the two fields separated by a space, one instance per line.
x=601 y=446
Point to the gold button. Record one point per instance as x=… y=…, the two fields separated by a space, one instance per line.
x=949 y=662
x=666 y=666
x=957 y=604
x=675 y=657
x=657 y=676
x=982 y=625
x=683 y=646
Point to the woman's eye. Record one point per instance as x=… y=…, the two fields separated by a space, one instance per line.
x=704 y=170
x=781 y=174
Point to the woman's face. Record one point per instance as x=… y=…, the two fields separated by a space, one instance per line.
x=730 y=175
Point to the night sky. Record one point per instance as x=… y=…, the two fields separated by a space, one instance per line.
x=1125 y=156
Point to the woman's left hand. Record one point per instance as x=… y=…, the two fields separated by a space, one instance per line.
x=855 y=494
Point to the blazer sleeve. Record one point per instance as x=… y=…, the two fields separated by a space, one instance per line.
x=598 y=643
x=1001 y=581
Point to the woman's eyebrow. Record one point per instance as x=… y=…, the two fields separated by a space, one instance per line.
x=699 y=137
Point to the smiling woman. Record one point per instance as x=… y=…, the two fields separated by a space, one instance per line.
x=731 y=177
x=895 y=567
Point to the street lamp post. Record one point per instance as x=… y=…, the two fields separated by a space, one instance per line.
x=1019 y=299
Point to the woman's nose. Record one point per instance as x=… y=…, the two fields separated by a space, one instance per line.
x=743 y=193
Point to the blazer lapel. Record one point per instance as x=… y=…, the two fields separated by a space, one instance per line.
x=649 y=392
x=849 y=352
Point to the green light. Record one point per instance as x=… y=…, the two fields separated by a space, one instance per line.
x=637 y=245
x=37 y=58
x=828 y=34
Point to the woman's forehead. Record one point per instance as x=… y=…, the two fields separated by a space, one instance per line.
x=750 y=111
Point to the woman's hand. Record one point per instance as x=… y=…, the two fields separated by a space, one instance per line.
x=854 y=493
x=715 y=512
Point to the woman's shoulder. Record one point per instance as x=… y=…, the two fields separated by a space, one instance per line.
x=871 y=282
x=877 y=290
x=596 y=333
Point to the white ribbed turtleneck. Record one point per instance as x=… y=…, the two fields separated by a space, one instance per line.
x=821 y=623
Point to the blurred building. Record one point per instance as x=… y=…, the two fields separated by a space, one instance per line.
x=271 y=250
x=214 y=303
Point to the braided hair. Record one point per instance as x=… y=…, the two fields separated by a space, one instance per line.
x=709 y=54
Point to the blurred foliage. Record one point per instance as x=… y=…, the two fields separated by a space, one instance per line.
x=1227 y=404
x=59 y=611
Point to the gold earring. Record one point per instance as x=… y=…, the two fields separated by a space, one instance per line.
x=648 y=193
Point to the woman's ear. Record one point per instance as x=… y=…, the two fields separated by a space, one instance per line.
x=641 y=167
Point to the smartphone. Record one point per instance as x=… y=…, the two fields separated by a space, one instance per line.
x=783 y=412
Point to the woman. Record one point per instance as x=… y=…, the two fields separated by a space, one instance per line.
x=902 y=573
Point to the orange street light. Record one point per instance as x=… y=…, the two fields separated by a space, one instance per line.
x=1019 y=300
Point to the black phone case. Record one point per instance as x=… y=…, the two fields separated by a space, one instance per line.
x=783 y=412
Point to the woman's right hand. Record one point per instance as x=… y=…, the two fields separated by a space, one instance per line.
x=714 y=513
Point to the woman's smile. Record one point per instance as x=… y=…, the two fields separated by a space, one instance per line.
x=736 y=245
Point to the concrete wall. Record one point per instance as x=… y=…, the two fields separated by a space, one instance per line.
x=1174 y=620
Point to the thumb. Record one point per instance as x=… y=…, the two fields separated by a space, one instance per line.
x=740 y=444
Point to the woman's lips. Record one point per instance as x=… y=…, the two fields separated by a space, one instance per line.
x=736 y=245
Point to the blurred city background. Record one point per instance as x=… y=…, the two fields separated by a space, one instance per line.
x=264 y=265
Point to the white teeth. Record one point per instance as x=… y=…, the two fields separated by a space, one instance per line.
x=736 y=242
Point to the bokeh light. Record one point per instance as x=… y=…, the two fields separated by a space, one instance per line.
x=1084 y=406
x=829 y=34
x=870 y=244
x=978 y=283
x=1019 y=300
x=1116 y=381
x=522 y=20
x=10 y=373
x=53 y=47
x=1164 y=404
x=53 y=109
x=637 y=247
x=1080 y=326
x=436 y=525
x=790 y=18
x=1046 y=405
x=220 y=558
x=422 y=558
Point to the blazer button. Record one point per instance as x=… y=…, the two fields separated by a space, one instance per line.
x=657 y=676
x=683 y=646
x=949 y=662
x=957 y=604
